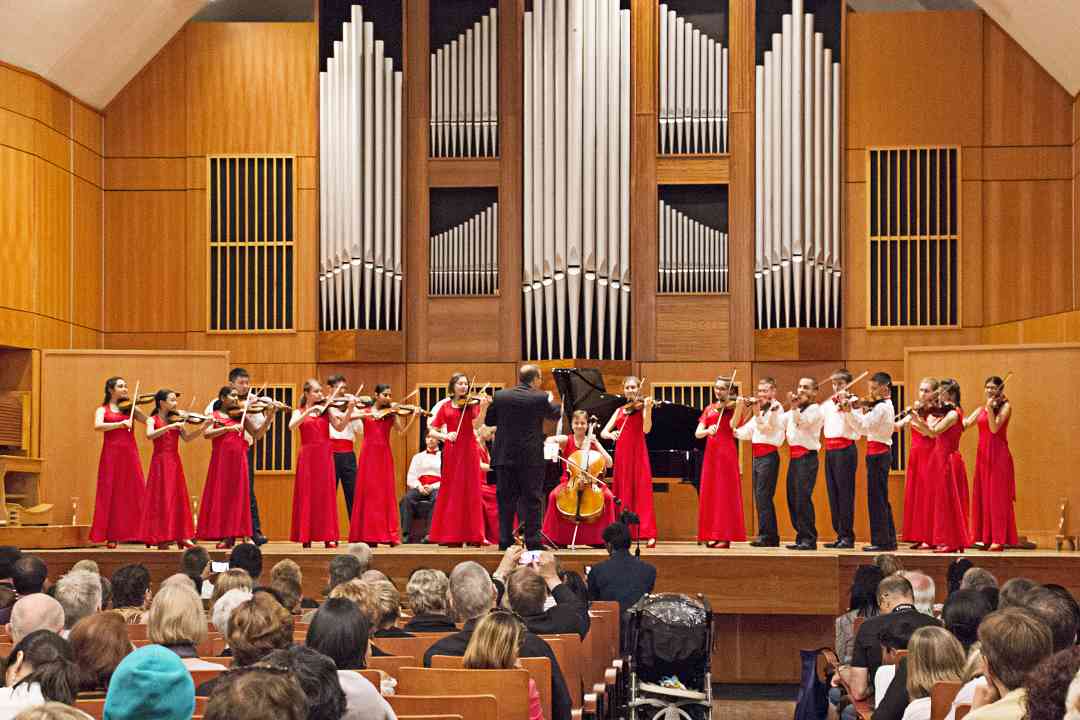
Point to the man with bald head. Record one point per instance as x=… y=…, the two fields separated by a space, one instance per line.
x=518 y=456
x=35 y=612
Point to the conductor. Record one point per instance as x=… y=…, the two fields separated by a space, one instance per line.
x=518 y=455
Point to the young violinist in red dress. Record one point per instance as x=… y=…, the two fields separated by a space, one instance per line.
x=375 y=508
x=489 y=493
x=118 y=502
x=945 y=471
x=918 y=493
x=225 y=509
x=720 y=508
x=456 y=520
x=993 y=520
x=167 y=516
x=314 y=510
x=558 y=529
x=632 y=476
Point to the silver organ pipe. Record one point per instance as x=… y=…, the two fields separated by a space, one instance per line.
x=361 y=142
x=797 y=269
x=464 y=259
x=693 y=82
x=576 y=166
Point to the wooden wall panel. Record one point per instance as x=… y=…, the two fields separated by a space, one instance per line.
x=87 y=251
x=693 y=327
x=251 y=88
x=146 y=174
x=53 y=107
x=20 y=91
x=87 y=127
x=136 y=225
x=307 y=261
x=87 y=164
x=149 y=116
x=1039 y=457
x=52 y=228
x=907 y=73
x=17 y=251
x=16 y=131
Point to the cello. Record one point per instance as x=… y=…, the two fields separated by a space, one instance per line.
x=582 y=500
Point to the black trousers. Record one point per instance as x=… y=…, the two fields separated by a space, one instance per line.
x=801 y=478
x=345 y=470
x=412 y=505
x=882 y=528
x=766 y=473
x=256 y=527
x=840 y=466
x=519 y=488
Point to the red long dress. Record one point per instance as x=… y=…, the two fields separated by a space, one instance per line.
x=917 y=492
x=993 y=520
x=375 y=510
x=945 y=474
x=561 y=530
x=720 y=508
x=456 y=519
x=489 y=494
x=314 y=507
x=121 y=490
x=632 y=474
x=225 y=509
x=167 y=516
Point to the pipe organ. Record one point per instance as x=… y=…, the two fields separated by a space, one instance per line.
x=693 y=255
x=693 y=87
x=576 y=240
x=464 y=259
x=797 y=268
x=360 y=173
x=464 y=92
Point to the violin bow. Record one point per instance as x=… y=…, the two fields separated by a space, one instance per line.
x=134 y=404
x=626 y=418
x=731 y=384
x=247 y=402
x=465 y=407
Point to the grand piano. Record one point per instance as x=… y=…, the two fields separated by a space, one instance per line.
x=674 y=452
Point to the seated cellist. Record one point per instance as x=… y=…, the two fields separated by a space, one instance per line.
x=560 y=528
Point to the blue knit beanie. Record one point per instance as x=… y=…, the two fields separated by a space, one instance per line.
x=150 y=684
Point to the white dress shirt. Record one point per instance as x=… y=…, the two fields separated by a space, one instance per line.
x=876 y=423
x=804 y=426
x=835 y=425
x=424 y=463
x=350 y=431
x=767 y=429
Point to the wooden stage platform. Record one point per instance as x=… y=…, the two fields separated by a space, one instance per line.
x=768 y=602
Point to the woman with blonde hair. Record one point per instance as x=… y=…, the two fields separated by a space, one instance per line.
x=234 y=579
x=934 y=656
x=177 y=621
x=494 y=645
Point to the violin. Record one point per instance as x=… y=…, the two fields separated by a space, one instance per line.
x=582 y=499
x=394 y=409
x=998 y=400
x=124 y=404
x=175 y=416
x=732 y=403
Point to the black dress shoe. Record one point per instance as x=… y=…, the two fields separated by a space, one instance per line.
x=879 y=548
x=801 y=546
x=259 y=539
x=844 y=545
x=764 y=543
x=833 y=545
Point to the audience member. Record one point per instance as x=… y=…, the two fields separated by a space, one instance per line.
x=362 y=552
x=890 y=681
x=318 y=679
x=373 y=576
x=962 y=613
x=922 y=586
x=7 y=601
x=1065 y=595
x=340 y=631
x=472 y=595
x=131 y=592
x=889 y=563
x=195 y=563
x=343 y=568
x=290 y=593
x=87 y=565
x=178 y=580
x=1013 y=591
x=223 y=609
x=231 y=579
x=150 y=684
x=934 y=655
x=35 y=612
x=256 y=628
x=1013 y=644
x=1057 y=612
x=977 y=578
x=494 y=646
x=79 y=593
x=28 y=575
x=39 y=668
x=386 y=610
x=53 y=711
x=621 y=577
x=98 y=644
x=1048 y=684
x=862 y=603
x=955 y=573
x=106 y=593
x=428 y=595
x=287 y=568
x=247 y=556
x=527 y=590
x=1072 y=700
x=257 y=693
x=177 y=621
x=8 y=555
x=896 y=603
x=576 y=584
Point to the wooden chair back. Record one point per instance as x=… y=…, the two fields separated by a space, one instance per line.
x=136 y=632
x=391 y=664
x=225 y=660
x=201 y=676
x=962 y=711
x=942 y=695
x=95 y=708
x=213 y=645
x=539 y=670
x=372 y=676
x=570 y=662
x=510 y=687
x=471 y=707
x=414 y=646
